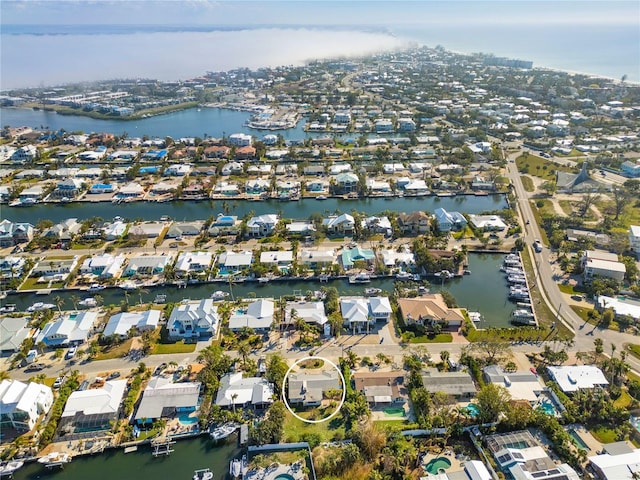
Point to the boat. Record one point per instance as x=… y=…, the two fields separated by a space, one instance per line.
x=401 y=275
x=7 y=469
x=203 y=474
x=55 y=459
x=89 y=302
x=222 y=432
x=360 y=278
x=475 y=316
x=263 y=279
x=219 y=295
x=165 y=218
x=466 y=271
x=444 y=274
x=523 y=317
x=36 y=307
x=128 y=286
x=8 y=308
x=321 y=197
x=25 y=202
x=96 y=287
x=372 y=291
x=65 y=200
x=235 y=468
x=160 y=298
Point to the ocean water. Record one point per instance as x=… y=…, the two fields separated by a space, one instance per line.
x=74 y=53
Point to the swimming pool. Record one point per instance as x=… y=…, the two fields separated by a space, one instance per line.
x=185 y=419
x=577 y=439
x=436 y=464
x=547 y=407
x=472 y=410
x=284 y=476
x=394 y=411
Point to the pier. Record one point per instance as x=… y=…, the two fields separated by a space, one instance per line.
x=162 y=447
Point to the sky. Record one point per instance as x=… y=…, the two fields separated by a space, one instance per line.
x=325 y=12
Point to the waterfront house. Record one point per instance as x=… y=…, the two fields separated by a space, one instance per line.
x=68 y=329
x=487 y=222
x=458 y=385
x=359 y=313
x=24 y=155
x=403 y=258
x=147 y=265
x=308 y=389
x=429 y=309
x=231 y=263
x=162 y=188
x=121 y=324
x=309 y=312
x=317 y=186
x=225 y=225
x=103 y=265
x=58 y=267
x=416 y=188
x=235 y=391
x=597 y=263
x=13 y=331
x=178 y=170
x=262 y=225
x=11 y=266
x=280 y=258
x=522 y=385
x=22 y=404
x=381 y=225
x=448 y=221
x=358 y=254
x=132 y=190
x=14 y=233
x=257 y=186
x=114 y=230
x=382 y=388
x=317 y=258
x=162 y=398
x=94 y=409
x=185 y=229
x=479 y=183
x=258 y=315
x=300 y=228
x=65 y=230
x=339 y=225
x=572 y=378
x=345 y=183
x=101 y=188
x=193 y=262
x=414 y=223
x=33 y=193
x=240 y=139
x=377 y=187
x=193 y=320
x=68 y=188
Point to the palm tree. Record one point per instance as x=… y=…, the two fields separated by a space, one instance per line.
x=243 y=350
x=75 y=299
x=59 y=301
x=233 y=401
x=140 y=292
x=99 y=300
x=444 y=356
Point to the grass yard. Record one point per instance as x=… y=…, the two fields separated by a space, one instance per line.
x=440 y=338
x=31 y=284
x=178 y=347
x=539 y=167
x=536 y=214
x=117 y=351
x=566 y=206
x=633 y=349
x=296 y=430
x=527 y=183
x=603 y=434
x=624 y=400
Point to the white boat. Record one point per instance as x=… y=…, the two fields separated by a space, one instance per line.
x=54 y=459
x=360 y=278
x=89 y=302
x=96 y=287
x=160 y=298
x=321 y=197
x=372 y=291
x=222 y=432
x=36 y=307
x=404 y=275
x=219 y=295
x=128 y=286
x=204 y=474
x=8 y=308
x=264 y=280
x=165 y=218
x=475 y=316
x=235 y=468
x=443 y=274
x=7 y=469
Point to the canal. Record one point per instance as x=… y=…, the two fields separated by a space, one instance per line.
x=301 y=209
x=189 y=455
x=484 y=291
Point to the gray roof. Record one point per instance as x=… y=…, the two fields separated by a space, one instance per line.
x=12 y=332
x=451 y=383
x=162 y=394
x=310 y=386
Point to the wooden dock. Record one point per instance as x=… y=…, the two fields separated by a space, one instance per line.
x=243 y=438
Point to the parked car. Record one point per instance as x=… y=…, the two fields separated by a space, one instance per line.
x=71 y=353
x=58 y=382
x=35 y=367
x=113 y=375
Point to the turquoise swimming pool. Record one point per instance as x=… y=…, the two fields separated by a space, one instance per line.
x=185 y=419
x=577 y=439
x=547 y=407
x=284 y=476
x=437 y=464
x=472 y=410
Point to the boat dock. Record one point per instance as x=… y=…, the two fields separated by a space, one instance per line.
x=162 y=447
x=243 y=438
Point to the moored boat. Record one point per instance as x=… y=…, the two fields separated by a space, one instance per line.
x=203 y=474
x=96 y=287
x=55 y=459
x=7 y=469
x=89 y=302
x=223 y=431
x=219 y=295
x=372 y=291
x=360 y=278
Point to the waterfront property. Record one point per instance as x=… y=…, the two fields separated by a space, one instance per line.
x=193 y=320
x=21 y=404
x=572 y=378
x=597 y=263
x=121 y=324
x=14 y=233
x=191 y=263
x=352 y=255
x=225 y=225
x=448 y=221
x=13 y=331
x=164 y=399
x=231 y=263
x=103 y=265
x=258 y=315
x=308 y=312
x=428 y=310
x=147 y=265
x=307 y=389
x=359 y=313
x=69 y=329
x=93 y=409
x=236 y=391
x=618 y=461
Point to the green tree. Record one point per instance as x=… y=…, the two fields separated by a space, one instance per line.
x=492 y=400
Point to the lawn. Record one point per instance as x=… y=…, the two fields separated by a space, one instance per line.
x=31 y=284
x=603 y=434
x=624 y=400
x=440 y=338
x=566 y=206
x=539 y=167
x=296 y=430
x=117 y=351
x=178 y=347
x=527 y=183
x=536 y=214
x=633 y=349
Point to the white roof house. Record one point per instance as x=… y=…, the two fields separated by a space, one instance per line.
x=262 y=225
x=121 y=323
x=13 y=331
x=617 y=467
x=193 y=262
x=103 y=265
x=147 y=264
x=162 y=398
x=310 y=312
x=94 y=408
x=620 y=307
x=258 y=315
x=358 y=312
x=229 y=262
x=521 y=385
x=21 y=404
x=114 y=230
x=317 y=257
x=68 y=330
x=487 y=222
x=194 y=320
x=242 y=392
x=280 y=257
x=575 y=377
x=393 y=258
